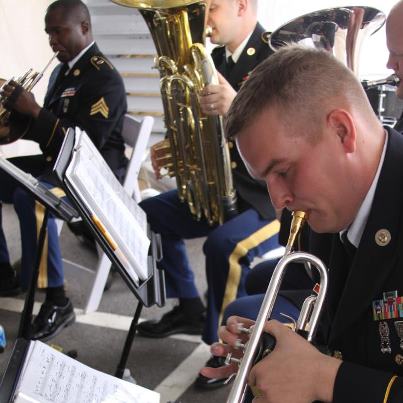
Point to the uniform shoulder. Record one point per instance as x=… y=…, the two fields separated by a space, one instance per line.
x=101 y=63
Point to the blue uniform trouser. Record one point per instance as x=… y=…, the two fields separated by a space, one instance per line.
x=229 y=251
x=30 y=214
x=295 y=287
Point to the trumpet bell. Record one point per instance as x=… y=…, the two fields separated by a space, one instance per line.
x=338 y=30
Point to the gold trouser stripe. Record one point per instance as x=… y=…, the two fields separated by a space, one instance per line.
x=58 y=192
x=39 y=215
x=392 y=380
x=43 y=267
x=240 y=250
x=53 y=133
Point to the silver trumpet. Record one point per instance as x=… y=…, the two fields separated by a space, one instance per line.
x=258 y=347
x=393 y=79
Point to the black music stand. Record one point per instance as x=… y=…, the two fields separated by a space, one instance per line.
x=79 y=162
x=53 y=204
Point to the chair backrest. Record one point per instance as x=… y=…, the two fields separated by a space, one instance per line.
x=136 y=134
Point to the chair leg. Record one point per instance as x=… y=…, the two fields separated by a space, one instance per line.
x=98 y=286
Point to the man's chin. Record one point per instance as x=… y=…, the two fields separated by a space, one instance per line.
x=320 y=226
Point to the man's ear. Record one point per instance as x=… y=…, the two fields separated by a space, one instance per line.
x=242 y=6
x=341 y=123
x=85 y=27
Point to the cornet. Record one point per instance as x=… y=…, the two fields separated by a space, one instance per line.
x=27 y=82
x=306 y=324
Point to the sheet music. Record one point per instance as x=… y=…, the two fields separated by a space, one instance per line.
x=107 y=200
x=49 y=376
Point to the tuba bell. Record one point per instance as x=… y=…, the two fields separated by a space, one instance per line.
x=339 y=30
x=13 y=129
x=195 y=150
x=260 y=344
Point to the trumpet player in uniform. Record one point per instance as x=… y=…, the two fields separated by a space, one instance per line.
x=231 y=247
x=297 y=280
x=312 y=135
x=86 y=91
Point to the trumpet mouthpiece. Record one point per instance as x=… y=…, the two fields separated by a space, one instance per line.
x=298 y=219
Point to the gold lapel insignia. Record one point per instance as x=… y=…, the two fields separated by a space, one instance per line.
x=266 y=37
x=100 y=107
x=251 y=51
x=337 y=354
x=383 y=237
x=76 y=72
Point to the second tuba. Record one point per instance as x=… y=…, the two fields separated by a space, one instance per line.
x=195 y=150
x=339 y=30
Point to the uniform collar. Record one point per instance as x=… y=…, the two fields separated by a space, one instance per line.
x=72 y=62
x=356 y=229
x=238 y=51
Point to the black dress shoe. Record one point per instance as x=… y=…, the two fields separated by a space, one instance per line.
x=51 y=320
x=211 y=383
x=9 y=283
x=173 y=322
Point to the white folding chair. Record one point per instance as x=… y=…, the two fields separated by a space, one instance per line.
x=136 y=134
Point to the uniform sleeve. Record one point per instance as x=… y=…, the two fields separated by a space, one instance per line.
x=355 y=383
x=97 y=110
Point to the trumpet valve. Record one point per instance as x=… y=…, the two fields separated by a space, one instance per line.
x=229 y=359
x=242 y=329
x=239 y=345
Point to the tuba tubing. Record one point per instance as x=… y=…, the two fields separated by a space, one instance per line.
x=306 y=324
x=195 y=150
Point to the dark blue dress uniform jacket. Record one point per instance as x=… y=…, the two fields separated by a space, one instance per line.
x=91 y=96
x=377 y=267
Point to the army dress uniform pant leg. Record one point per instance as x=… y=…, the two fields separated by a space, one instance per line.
x=30 y=214
x=33 y=165
x=230 y=250
x=171 y=218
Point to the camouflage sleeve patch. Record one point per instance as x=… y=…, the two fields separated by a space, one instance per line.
x=98 y=62
x=100 y=107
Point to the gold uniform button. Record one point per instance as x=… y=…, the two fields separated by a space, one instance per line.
x=383 y=237
x=76 y=72
x=48 y=158
x=251 y=51
x=230 y=144
x=233 y=164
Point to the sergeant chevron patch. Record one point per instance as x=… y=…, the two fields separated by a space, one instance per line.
x=100 y=107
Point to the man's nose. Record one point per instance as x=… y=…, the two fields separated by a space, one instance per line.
x=391 y=63
x=279 y=193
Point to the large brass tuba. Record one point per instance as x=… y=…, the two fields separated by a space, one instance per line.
x=195 y=151
x=340 y=31
x=13 y=129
